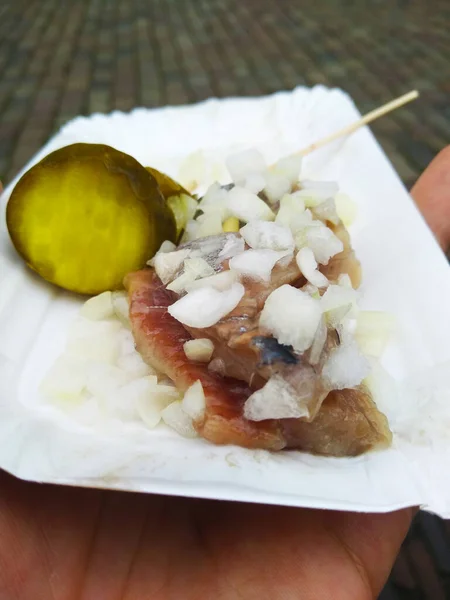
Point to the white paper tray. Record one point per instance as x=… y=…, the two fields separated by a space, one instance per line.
x=404 y=273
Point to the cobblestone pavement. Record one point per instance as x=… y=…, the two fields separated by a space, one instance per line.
x=62 y=58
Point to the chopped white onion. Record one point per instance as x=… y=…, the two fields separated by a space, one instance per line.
x=175 y=417
x=166 y=246
x=247 y=206
x=121 y=308
x=199 y=349
x=337 y=303
x=345 y=281
x=66 y=379
x=194 y=268
x=276 y=187
x=102 y=380
x=337 y=296
x=254 y=182
x=193 y=402
x=98 y=308
x=134 y=366
x=308 y=267
x=167 y=264
x=241 y=164
x=373 y=331
x=267 y=235
x=210 y=223
x=323 y=243
x=315 y=192
x=256 y=264
x=221 y=281
x=290 y=212
x=276 y=400
x=206 y=306
x=190 y=232
x=234 y=245
x=326 y=211
x=149 y=399
x=346 y=208
x=104 y=347
x=292 y=316
x=319 y=342
x=345 y=367
x=289 y=167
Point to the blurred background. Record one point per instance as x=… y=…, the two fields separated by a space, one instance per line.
x=62 y=58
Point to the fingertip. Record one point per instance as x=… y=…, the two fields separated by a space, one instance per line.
x=431 y=194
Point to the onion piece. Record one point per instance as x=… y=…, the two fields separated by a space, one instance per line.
x=194 y=268
x=292 y=316
x=102 y=345
x=346 y=208
x=200 y=349
x=221 y=281
x=323 y=242
x=167 y=264
x=276 y=187
x=133 y=365
x=257 y=264
x=276 y=400
x=204 y=307
x=373 y=331
x=254 y=182
x=308 y=267
x=103 y=380
x=345 y=367
x=315 y=192
x=193 y=402
x=326 y=211
x=210 y=223
x=175 y=417
x=337 y=296
x=319 y=343
x=290 y=212
x=149 y=399
x=247 y=206
x=66 y=379
x=166 y=246
x=234 y=245
x=121 y=308
x=98 y=308
x=289 y=167
x=267 y=235
x=241 y=164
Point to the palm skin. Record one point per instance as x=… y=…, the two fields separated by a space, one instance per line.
x=60 y=543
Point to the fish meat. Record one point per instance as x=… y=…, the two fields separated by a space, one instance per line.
x=347 y=422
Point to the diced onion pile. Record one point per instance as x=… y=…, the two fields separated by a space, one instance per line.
x=101 y=378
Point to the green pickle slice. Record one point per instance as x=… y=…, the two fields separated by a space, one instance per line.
x=87 y=215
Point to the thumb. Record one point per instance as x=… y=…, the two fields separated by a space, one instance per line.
x=431 y=193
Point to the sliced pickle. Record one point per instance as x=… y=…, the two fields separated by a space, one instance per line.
x=87 y=215
x=167 y=185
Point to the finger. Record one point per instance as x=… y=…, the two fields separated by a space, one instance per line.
x=373 y=542
x=432 y=196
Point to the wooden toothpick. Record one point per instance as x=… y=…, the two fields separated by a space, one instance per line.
x=368 y=118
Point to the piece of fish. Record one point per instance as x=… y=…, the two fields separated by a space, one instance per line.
x=347 y=424
x=159 y=339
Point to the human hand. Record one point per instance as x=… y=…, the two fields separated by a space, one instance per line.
x=77 y=544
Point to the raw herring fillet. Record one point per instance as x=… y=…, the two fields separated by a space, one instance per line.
x=347 y=424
